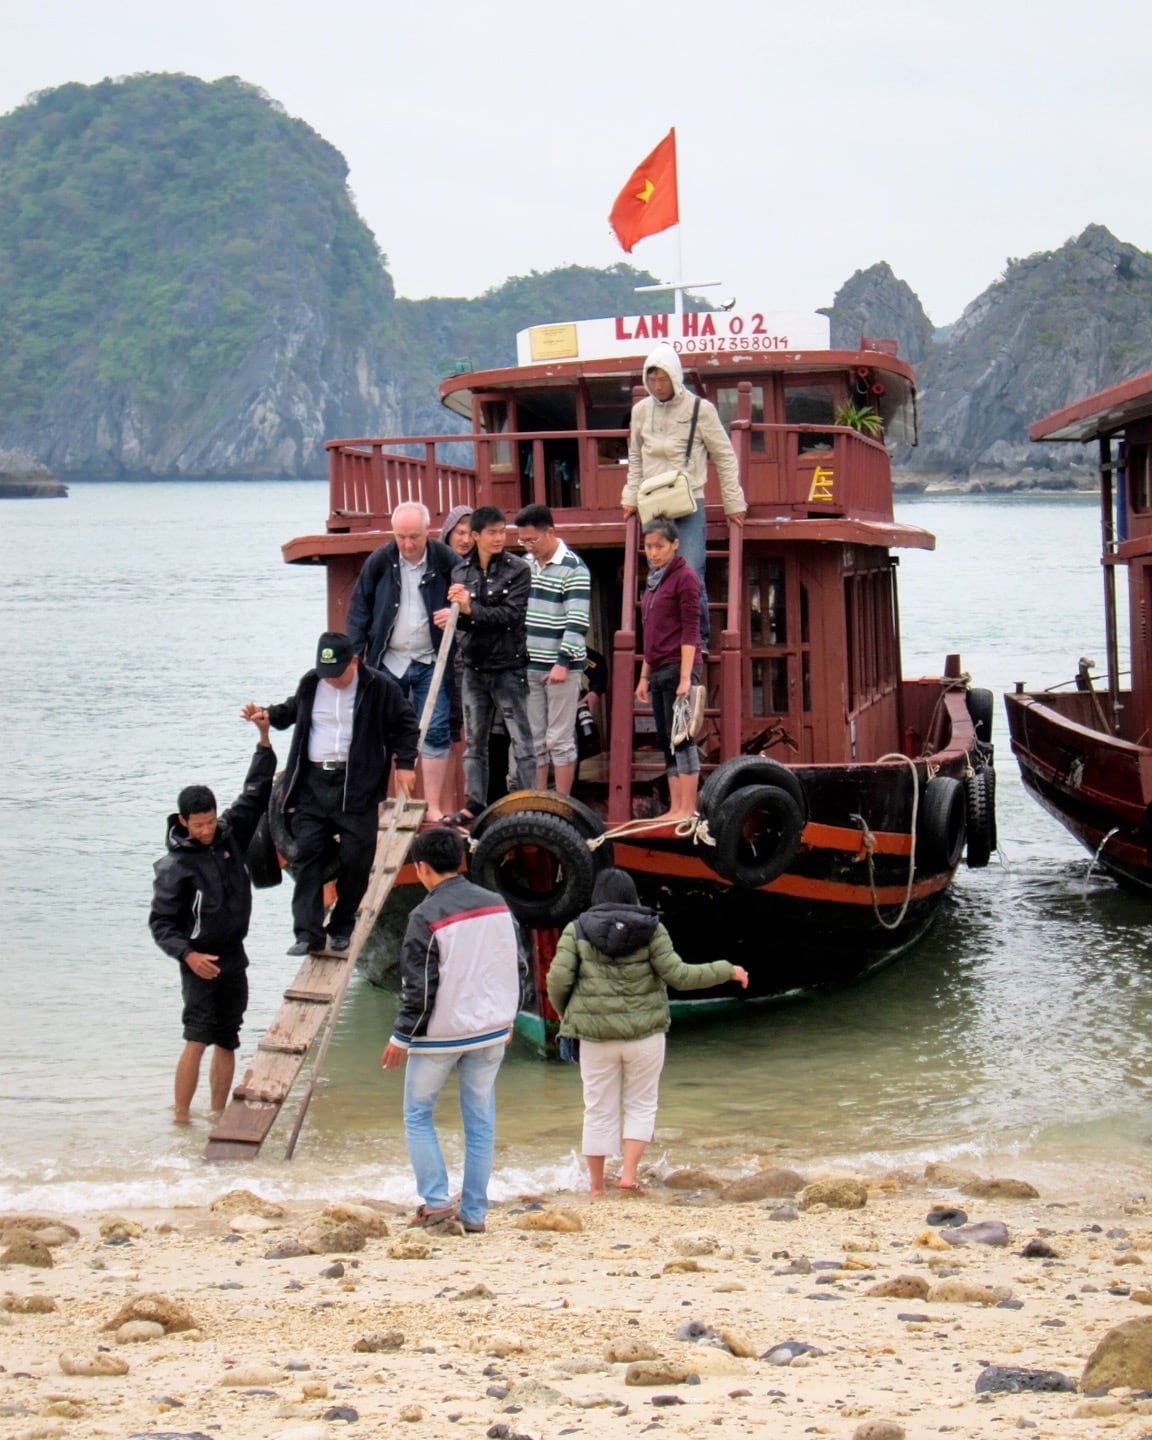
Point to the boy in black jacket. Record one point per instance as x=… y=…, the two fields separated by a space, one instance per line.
x=201 y=906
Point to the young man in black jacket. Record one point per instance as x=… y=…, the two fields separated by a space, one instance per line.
x=201 y=906
x=491 y=588
x=350 y=721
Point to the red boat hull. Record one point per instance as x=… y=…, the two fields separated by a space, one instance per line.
x=1097 y=785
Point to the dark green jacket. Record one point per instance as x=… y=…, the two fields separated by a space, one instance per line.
x=621 y=995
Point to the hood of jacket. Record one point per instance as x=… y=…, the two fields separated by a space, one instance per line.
x=663 y=357
x=618 y=930
x=178 y=839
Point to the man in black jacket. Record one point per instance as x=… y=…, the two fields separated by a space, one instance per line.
x=491 y=588
x=350 y=721
x=391 y=624
x=201 y=906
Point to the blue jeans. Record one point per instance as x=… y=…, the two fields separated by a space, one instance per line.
x=693 y=547
x=415 y=683
x=485 y=693
x=424 y=1078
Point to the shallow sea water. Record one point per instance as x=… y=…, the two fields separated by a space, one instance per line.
x=135 y=619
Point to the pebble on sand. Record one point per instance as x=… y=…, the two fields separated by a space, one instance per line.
x=773 y=1183
x=1123 y=1357
x=900 y=1287
x=173 y=1315
x=656 y=1372
x=102 y=1362
x=845 y=1194
x=564 y=1221
x=25 y=1249
x=998 y=1189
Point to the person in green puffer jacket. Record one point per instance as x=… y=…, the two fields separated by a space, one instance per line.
x=608 y=983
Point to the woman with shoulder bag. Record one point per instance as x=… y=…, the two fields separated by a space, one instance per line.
x=672 y=429
x=609 y=982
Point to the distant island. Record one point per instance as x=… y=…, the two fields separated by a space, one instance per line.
x=22 y=477
x=188 y=291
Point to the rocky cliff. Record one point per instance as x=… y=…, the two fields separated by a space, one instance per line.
x=1057 y=326
x=185 y=285
x=875 y=303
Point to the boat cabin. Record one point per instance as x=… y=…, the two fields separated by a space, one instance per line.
x=805 y=657
x=1119 y=420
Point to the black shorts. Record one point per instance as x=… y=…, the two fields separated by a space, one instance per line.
x=214 y=1009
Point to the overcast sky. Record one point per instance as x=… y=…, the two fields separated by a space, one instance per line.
x=490 y=139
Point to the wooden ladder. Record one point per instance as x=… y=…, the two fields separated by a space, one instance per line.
x=310 y=1003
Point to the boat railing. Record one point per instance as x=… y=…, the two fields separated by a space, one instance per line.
x=368 y=478
x=794 y=469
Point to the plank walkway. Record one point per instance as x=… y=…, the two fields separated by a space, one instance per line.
x=310 y=1003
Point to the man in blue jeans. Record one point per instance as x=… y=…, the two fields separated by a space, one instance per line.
x=402 y=586
x=461 y=968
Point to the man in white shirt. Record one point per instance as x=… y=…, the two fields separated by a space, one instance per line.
x=350 y=721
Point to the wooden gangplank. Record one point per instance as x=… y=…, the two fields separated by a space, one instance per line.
x=311 y=1004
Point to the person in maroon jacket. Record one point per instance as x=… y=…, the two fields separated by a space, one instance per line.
x=670 y=609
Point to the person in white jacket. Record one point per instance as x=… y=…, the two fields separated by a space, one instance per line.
x=658 y=441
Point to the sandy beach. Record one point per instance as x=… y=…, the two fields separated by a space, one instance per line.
x=250 y=1320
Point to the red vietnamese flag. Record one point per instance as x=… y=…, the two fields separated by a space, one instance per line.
x=648 y=203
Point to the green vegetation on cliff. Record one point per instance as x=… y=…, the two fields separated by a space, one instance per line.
x=151 y=228
x=186 y=288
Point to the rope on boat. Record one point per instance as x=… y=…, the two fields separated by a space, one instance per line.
x=695 y=827
x=870 y=846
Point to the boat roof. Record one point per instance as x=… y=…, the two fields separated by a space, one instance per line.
x=742 y=345
x=1101 y=414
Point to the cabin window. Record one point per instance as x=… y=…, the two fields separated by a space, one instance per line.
x=810 y=405
x=727 y=399
x=494 y=415
x=1139 y=477
x=777 y=630
x=767 y=604
x=541 y=411
x=770 y=686
x=608 y=406
x=870 y=628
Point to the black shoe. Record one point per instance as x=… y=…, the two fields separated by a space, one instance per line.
x=303 y=947
x=338 y=943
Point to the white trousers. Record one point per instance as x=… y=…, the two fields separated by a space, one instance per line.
x=619 y=1073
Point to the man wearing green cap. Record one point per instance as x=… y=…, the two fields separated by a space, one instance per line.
x=350 y=722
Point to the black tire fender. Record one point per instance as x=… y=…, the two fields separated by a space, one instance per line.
x=941 y=826
x=981 y=710
x=980 y=801
x=263 y=861
x=757 y=832
x=549 y=802
x=744 y=770
x=503 y=861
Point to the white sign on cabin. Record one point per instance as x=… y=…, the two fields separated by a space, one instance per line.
x=709 y=332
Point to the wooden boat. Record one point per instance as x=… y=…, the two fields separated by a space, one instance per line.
x=1086 y=756
x=838 y=796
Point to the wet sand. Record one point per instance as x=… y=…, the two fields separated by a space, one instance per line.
x=530 y=1328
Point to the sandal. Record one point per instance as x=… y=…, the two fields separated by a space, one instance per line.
x=459 y=820
x=435 y=1215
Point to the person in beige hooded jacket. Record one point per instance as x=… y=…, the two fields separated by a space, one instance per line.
x=658 y=441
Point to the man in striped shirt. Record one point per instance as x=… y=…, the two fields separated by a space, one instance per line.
x=558 y=604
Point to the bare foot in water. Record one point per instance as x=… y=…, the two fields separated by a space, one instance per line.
x=181 y=1116
x=596 y=1194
